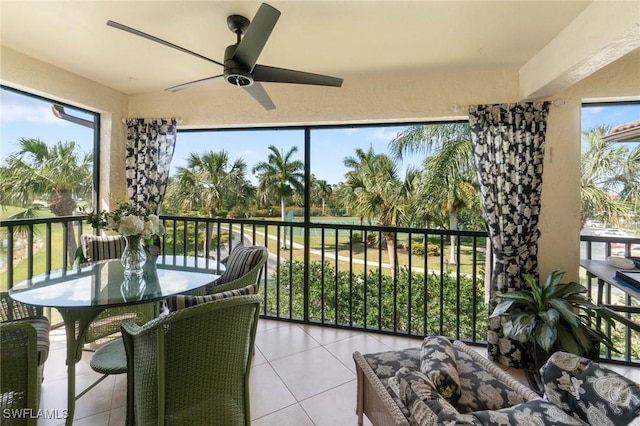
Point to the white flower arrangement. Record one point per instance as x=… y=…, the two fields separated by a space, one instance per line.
x=128 y=221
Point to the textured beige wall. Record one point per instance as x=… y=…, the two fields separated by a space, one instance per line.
x=374 y=98
x=33 y=76
x=560 y=218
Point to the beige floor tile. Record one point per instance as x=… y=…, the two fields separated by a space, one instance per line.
x=293 y=415
x=53 y=398
x=119 y=391
x=101 y=419
x=633 y=374
x=258 y=358
x=341 y=400
x=267 y=324
x=98 y=399
x=311 y=372
x=268 y=392
x=326 y=335
x=294 y=380
x=399 y=342
x=118 y=416
x=55 y=367
x=519 y=375
x=364 y=343
x=284 y=341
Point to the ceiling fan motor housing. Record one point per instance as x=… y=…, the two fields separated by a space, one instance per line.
x=233 y=71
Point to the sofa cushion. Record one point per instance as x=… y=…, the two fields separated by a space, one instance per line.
x=481 y=389
x=428 y=408
x=438 y=363
x=594 y=393
x=535 y=412
x=425 y=404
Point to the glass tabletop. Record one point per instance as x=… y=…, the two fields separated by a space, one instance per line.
x=104 y=283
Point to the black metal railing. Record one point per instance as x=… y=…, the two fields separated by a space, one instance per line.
x=333 y=274
x=627 y=341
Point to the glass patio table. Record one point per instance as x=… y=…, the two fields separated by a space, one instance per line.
x=80 y=294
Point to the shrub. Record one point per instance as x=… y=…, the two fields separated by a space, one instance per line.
x=379 y=302
x=433 y=249
x=356 y=238
x=417 y=249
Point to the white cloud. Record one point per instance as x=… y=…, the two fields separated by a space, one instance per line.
x=11 y=113
x=382 y=134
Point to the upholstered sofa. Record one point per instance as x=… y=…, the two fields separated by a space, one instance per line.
x=442 y=383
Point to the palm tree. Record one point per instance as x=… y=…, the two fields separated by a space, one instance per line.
x=449 y=178
x=630 y=179
x=38 y=172
x=361 y=164
x=323 y=190
x=207 y=182
x=378 y=194
x=608 y=178
x=280 y=175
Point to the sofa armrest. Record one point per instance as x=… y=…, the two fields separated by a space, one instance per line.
x=582 y=387
x=373 y=398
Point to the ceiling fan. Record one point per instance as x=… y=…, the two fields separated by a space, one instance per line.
x=239 y=66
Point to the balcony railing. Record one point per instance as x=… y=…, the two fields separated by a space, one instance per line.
x=337 y=275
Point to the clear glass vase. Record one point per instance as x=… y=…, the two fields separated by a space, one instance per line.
x=133 y=287
x=133 y=256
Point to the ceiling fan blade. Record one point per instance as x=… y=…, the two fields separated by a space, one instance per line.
x=159 y=40
x=259 y=94
x=192 y=83
x=256 y=36
x=282 y=75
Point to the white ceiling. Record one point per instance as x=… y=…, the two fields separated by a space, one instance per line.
x=349 y=39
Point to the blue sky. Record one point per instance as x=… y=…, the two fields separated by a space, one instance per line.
x=22 y=116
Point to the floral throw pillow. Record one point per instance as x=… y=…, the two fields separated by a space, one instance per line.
x=596 y=394
x=438 y=363
x=426 y=405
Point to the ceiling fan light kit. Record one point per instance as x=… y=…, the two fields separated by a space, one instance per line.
x=239 y=65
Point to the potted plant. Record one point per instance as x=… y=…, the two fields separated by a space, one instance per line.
x=553 y=316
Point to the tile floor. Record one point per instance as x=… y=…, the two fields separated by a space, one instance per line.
x=301 y=375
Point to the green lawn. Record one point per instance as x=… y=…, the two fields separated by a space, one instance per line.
x=374 y=254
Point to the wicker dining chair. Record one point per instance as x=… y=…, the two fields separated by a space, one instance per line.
x=107 y=323
x=191 y=366
x=242 y=268
x=24 y=347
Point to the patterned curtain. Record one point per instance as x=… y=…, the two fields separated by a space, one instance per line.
x=150 y=145
x=509 y=153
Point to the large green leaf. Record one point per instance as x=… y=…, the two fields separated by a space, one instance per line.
x=550 y=317
x=501 y=308
x=545 y=336
x=567 y=342
x=566 y=311
x=521 y=327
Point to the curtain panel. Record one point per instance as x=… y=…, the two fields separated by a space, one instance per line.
x=508 y=144
x=150 y=146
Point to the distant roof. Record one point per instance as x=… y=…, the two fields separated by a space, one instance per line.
x=627 y=132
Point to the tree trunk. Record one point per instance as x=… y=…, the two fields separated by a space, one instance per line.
x=208 y=233
x=453 y=225
x=323 y=207
x=391 y=249
x=283 y=207
x=63 y=204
